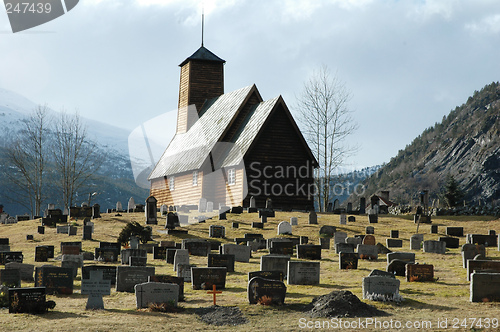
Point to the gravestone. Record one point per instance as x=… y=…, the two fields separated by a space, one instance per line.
x=11 y=257
x=303 y=239
x=343 y=219
x=416 y=241
x=72 y=261
x=27 y=300
x=294 y=221
x=455 y=231
x=434 y=229
x=274 y=263
x=482 y=266
x=197 y=247
x=309 y=251
x=485 y=287
x=348 y=261
x=469 y=251
x=344 y=247
x=129 y=276
x=160 y=253
x=137 y=261
x=266 y=291
x=373 y=218
x=96 y=211
x=437 y=247
x=253 y=205
x=408 y=257
x=62 y=229
x=156 y=293
x=57 y=280
x=242 y=253
x=181 y=256
x=184 y=271
x=369 y=252
x=284 y=227
x=151 y=211
x=419 y=272
x=210 y=207
x=369 y=240
x=339 y=237
x=394 y=243
x=217 y=231
x=398 y=267
x=26 y=270
x=222 y=215
x=134 y=242
x=206 y=277
x=282 y=248
x=351 y=219
x=303 y=273
x=106 y=255
x=95 y=287
x=126 y=253
x=131 y=205
x=163 y=210
x=313 y=218
x=202 y=205
x=166 y=279
x=72 y=230
x=10 y=278
x=353 y=240
x=362 y=205
x=489 y=240
x=273 y=275
x=87 y=233
x=108 y=272
x=349 y=207
x=380 y=288
x=259 y=225
x=327 y=231
x=221 y=260
x=381 y=273
x=170 y=253
x=324 y=242
x=394 y=234
x=41 y=254
x=451 y=242
x=41 y=229
x=70 y=249
x=370 y=230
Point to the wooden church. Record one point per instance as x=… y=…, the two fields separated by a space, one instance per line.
x=231 y=146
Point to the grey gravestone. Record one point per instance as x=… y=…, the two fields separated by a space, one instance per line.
x=284 y=227
x=348 y=261
x=353 y=240
x=469 y=251
x=163 y=210
x=437 y=247
x=303 y=273
x=72 y=261
x=206 y=277
x=344 y=247
x=309 y=251
x=294 y=221
x=108 y=272
x=184 y=271
x=313 y=218
x=274 y=263
x=327 y=230
x=210 y=207
x=131 y=205
x=202 y=205
x=26 y=270
x=339 y=237
x=419 y=272
x=485 y=287
x=126 y=253
x=273 y=275
x=404 y=256
x=166 y=279
x=416 y=241
x=157 y=293
x=62 y=229
x=137 y=261
x=134 y=242
x=381 y=273
x=27 y=300
x=119 y=207
x=10 y=278
x=343 y=219
x=151 y=211
x=57 y=280
x=370 y=230
x=129 y=276
x=241 y=253
x=266 y=291
x=397 y=267
x=482 y=266
x=394 y=243
x=181 y=257
x=218 y=260
x=95 y=287
x=369 y=252
x=380 y=287
x=72 y=230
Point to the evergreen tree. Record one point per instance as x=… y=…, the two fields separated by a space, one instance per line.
x=453 y=194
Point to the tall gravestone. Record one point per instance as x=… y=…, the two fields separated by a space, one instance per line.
x=362 y=205
x=131 y=205
x=95 y=287
x=313 y=218
x=151 y=211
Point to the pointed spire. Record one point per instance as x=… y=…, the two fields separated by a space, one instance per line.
x=202 y=22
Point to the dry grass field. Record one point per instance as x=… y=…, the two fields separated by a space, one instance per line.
x=447 y=298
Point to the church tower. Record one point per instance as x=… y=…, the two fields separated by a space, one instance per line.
x=202 y=78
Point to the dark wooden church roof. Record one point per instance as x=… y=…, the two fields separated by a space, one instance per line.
x=203 y=54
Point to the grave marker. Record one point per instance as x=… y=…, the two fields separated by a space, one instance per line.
x=380 y=288
x=166 y=279
x=206 y=277
x=95 y=287
x=157 y=293
x=27 y=300
x=419 y=272
x=303 y=273
x=57 y=280
x=348 y=261
x=266 y=291
x=129 y=276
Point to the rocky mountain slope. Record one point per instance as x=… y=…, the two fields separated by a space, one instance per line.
x=466 y=145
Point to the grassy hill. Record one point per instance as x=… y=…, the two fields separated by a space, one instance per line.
x=448 y=297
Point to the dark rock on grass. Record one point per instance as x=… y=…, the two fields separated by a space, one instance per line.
x=339 y=304
x=216 y=315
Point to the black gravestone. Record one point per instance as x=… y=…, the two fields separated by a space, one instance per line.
x=221 y=260
x=309 y=251
x=27 y=300
x=348 y=261
x=57 y=280
x=206 y=277
x=41 y=254
x=266 y=291
x=273 y=275
x=10 y=278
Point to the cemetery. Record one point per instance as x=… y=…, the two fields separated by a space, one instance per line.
x=267 y=278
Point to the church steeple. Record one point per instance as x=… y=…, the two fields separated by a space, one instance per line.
x=202 y=78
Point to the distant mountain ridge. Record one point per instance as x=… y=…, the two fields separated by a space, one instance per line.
x=114 y=182
x=465 y=144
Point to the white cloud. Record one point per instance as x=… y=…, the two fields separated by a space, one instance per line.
x=431 y=8
x=489 y=24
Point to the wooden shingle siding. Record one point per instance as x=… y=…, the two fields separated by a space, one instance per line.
x=184 y=192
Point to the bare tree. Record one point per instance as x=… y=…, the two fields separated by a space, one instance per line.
x=327 y=122
x=76 y=157
x=27 y=157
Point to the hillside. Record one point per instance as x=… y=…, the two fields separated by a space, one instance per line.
x=114 y=181
x=465 y=144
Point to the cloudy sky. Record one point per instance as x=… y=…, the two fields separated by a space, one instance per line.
x=407 y=63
